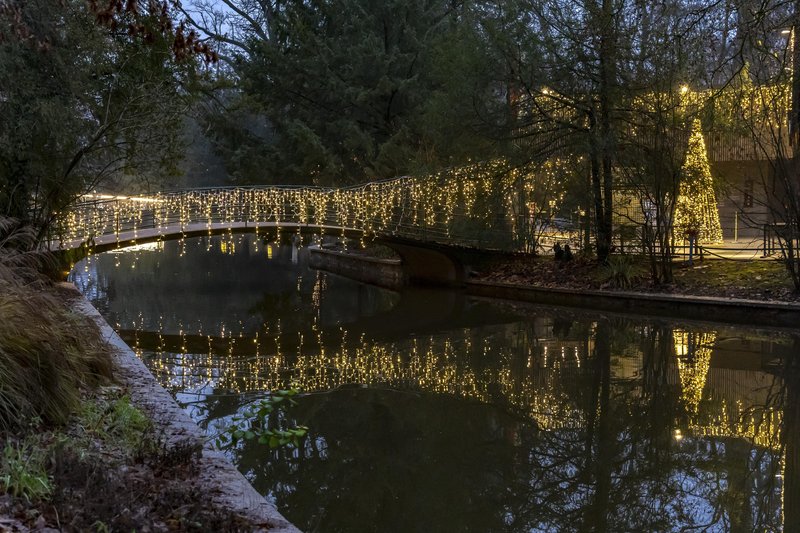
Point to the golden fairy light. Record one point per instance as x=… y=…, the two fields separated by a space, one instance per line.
x=437 y=364
x=761 y=426
x=696 y=209
x=693 y=351
x=488 y=195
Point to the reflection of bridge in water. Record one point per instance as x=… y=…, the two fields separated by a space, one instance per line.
x=417 y=312
x=723 y=382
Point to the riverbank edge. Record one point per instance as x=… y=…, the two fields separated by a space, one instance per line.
x=703 y=308
x=225 y=486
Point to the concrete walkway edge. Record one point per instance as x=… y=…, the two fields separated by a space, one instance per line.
x=225 y=486
x=703 y=308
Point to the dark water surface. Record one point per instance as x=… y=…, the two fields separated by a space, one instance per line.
x=433 y=411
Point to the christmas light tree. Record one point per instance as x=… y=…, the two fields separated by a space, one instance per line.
x=694 y=357
x=696 y=210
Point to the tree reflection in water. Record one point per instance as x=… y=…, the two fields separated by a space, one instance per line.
x=487 y=430
x=496 y=418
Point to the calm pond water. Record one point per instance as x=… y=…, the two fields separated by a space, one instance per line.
x=433 y=411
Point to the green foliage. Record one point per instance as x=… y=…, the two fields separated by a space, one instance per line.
x=81 y=104
x=101 y=527
x=238 y=134
x=621 y=271
x=356 y=90
x=253 y=424
x=22 y=470
x=48 y=353
x=115 y=419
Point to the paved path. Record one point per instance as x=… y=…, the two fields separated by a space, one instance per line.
x=743 y=249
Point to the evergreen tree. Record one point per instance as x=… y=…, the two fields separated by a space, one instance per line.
x=356 y=90
x=696 y=207
x=83 y=103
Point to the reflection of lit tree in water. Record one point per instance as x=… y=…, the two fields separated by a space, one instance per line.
x=693 y=350
x=583 y=440
x=719 y=418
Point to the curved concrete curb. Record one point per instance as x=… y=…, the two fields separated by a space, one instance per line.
x=781 y=315
x=750 y=312
x=225 y=485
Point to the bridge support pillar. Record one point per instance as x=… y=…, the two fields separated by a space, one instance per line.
x=428 y=264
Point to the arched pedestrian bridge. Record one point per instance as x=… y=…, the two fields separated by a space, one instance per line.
x=425 y=220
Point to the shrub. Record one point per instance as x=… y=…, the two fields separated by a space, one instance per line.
x=253 y=424
x=47 y=354
x=21 y=261
x=22 y=470
x=621 y=271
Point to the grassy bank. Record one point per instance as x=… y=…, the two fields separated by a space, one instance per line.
x=75 y=454
x=104 y=470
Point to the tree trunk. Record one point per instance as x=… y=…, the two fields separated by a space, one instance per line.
x=602 y=239
x=794 y=116
x=607 y=61
x=791 y=443
x=599 y=436
x=792 y=185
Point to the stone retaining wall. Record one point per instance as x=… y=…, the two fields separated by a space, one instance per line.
x=382 y=272
x=389 y=273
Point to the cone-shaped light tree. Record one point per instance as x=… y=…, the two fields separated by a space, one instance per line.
x=696 y=211
x=694 y=357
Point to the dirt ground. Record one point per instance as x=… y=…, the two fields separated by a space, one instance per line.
x=105 y=477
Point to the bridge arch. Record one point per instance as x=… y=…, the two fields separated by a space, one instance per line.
x=427 y=263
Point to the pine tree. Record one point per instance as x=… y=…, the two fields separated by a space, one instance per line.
x=696 y=208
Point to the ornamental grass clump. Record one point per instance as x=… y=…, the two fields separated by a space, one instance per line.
x=621 y=271
x=21 y=262
x=48 y=353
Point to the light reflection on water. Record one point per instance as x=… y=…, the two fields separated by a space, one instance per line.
x=431 y=411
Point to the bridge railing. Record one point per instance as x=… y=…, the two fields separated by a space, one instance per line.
x=424 y=210
x=440 y=209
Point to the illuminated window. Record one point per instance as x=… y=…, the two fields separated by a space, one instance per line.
x=747 y=193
